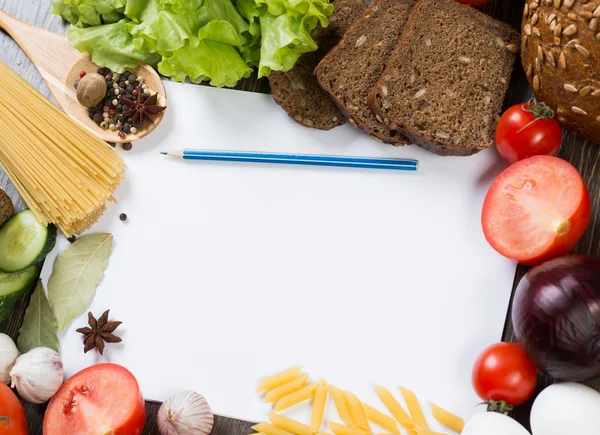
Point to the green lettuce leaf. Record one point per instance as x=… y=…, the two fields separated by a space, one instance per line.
x=89 y=12
x=219 y=41
x=110 y=46
x=213 y=61
x=285 y=29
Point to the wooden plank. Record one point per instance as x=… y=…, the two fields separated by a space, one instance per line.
x=583 y=154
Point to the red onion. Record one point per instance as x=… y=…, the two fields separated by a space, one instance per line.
x=556 y=316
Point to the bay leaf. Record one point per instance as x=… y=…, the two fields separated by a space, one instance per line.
x=40 y=328
x=76 y=275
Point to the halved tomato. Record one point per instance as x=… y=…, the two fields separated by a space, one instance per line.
x=12 y=415
x=101 y=399
x=537 y=209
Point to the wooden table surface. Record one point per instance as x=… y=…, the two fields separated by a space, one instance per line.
x=583 y=154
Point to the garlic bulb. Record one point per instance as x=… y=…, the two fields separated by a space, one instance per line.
x=185 y=413
x=38 y=374
x=8 y=355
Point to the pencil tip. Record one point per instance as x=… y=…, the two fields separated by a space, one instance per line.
x=163 y=153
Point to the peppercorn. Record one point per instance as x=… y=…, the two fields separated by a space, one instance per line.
x=108 y=77
x=76 y=84
x=98 y=118
x=121 y=118
x=72 y=239
x=127 y=128
x=123 y=216
x=129 y=88
x=127 y=146
x=102 y=71
x=135 y=92
x=112 y=112
x=82 y=74
x=123 y=136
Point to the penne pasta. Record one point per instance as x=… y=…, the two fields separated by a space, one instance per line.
x=278 y=379
x=340 y=429
x=446 y=418
x=270 y=429
x=358 y=412
x=379 y=418
x=412 y=403
x=341 y=405
x=318 y=410
x=292 y=426
x=394 y=407
x=283 y=390
x=423 y=431
x=296 y=397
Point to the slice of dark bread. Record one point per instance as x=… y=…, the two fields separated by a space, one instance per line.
x=297 y=90
x=349 y=72
x=6 y=207
x=445 y=85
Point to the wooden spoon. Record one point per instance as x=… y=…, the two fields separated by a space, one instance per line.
x=60 y=64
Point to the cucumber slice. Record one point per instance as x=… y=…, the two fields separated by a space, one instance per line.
x=12 y=286
x=24 y=242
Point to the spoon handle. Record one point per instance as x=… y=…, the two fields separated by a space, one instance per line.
x=50 y=52
x=11 y=25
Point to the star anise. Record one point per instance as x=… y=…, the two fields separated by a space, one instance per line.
x=99 y=331
x=141 y=109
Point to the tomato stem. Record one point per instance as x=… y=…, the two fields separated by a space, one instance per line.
x=499 y=406
x=539 y=109
x=6 y=419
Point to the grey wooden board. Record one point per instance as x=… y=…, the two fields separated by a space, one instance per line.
x=583 y=154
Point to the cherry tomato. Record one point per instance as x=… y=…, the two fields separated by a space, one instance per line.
x=474 y=2
x=103 y=398
x=537 y=209
x=526 y=130
x=504 y=372
x=12 y=416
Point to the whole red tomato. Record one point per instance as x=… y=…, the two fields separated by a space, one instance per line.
x=12 y=416
x=103 y=398
x=474 y=2
x=526 y=130
x=504 y=372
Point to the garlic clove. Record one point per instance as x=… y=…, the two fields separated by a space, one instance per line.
x=185 y=413
x=37 y=374
x=8 y=355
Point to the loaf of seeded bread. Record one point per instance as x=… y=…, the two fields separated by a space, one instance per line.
x=297 y=90
x=445 y=85
x=561 y=57
x=349 y=72
x=6 y=207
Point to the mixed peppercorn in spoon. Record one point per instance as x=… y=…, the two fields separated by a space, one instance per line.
x=118 y=102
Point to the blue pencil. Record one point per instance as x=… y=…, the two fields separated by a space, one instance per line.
x=296 y=159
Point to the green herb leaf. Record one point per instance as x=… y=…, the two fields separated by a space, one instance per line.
x=76 y=275
x=39 y=327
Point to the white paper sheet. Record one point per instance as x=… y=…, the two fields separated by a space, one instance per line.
x=226 y=272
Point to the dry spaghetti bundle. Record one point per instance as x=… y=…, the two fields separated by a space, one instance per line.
x=62 y=171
